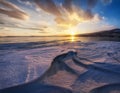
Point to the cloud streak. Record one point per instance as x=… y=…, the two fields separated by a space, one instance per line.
x=48 y=6
x=12 y=10
x=67 y=14
x=68 y=5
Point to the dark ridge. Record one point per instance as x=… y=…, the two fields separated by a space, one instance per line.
x=108 y=33
x=107 y=89
x=79 y=63
x=57 y=65
x=35 y=88
x=95 y=66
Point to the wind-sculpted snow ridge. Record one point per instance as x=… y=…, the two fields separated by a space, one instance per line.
x=82 y=75
x=110 y=88
x=68 y=70
x=94 y=67
x=35 y=88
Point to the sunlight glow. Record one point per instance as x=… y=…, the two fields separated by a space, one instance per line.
x=75 y=18
x=72 y=33
x=72 y=38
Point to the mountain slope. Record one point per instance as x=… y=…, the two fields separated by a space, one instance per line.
x=108 y=33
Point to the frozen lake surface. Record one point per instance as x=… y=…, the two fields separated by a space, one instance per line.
x=89 y=67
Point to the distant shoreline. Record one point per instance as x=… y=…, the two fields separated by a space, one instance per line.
x=107 y=33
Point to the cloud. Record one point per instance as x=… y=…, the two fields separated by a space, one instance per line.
x=90 y=27
x=26 y=2
x=18 y=26
x=91 y=3
x=48 y=6
x=28 y=28
x=67 y=14
x=2 y=23
x=12 y=10
x=105 y=2
x=68 y=5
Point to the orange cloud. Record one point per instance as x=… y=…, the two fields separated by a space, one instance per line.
x=67 y=14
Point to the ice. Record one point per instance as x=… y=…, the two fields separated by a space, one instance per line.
x=87 y=66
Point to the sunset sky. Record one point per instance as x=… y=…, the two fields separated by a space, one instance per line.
x=57 y=17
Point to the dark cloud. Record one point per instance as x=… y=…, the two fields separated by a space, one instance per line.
x=2 y=23
x=68 y=5
x=48 y=6
x=5 y=22
x=12 y=10
x=27 y=28
x=91 y=3
x=11 y=24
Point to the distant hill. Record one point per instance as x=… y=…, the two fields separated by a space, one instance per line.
x=108 y=33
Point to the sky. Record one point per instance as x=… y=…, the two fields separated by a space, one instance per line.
x=57 y=17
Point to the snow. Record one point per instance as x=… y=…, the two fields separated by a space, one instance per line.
x=99 y=65
x=23 y=66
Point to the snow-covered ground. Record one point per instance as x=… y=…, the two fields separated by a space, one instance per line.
x=96 y=64
x=23 y=66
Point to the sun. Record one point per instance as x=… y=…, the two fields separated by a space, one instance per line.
x=72 y=33
x=72 y=38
